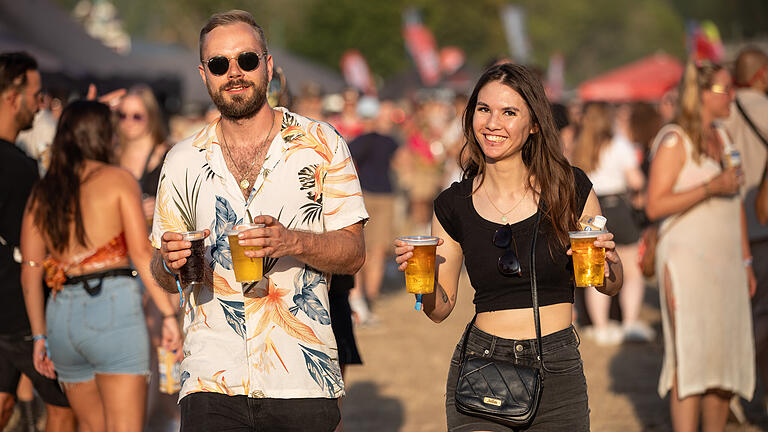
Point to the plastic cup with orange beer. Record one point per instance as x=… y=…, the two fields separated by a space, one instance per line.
x=588 y=259
x=247 y=269
x=420 y=272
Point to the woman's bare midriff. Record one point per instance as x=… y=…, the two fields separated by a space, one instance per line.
x=518 y=323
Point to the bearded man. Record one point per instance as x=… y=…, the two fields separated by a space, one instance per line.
x=259 y=355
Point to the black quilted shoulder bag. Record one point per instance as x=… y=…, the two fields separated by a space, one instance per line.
x=498 y=390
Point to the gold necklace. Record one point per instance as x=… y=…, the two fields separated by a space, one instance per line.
x=244 y=183
x=504 y=214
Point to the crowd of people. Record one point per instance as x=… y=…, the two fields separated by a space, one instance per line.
x=96 y=197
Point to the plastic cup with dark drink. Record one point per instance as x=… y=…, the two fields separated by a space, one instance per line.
x=192 y=271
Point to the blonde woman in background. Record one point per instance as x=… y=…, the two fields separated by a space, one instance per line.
x=142 y=146
x=612 y=164
x=142 y=141
x=702 y=258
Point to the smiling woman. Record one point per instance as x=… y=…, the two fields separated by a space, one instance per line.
x=512 y=152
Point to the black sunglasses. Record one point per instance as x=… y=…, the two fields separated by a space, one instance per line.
x=508 y=263
x=246 y=61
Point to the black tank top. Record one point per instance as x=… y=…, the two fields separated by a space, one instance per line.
x=493 y=291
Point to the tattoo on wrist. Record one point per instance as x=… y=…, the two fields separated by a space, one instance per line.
x=443 y=295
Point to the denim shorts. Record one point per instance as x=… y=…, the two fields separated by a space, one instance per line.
x=104 y=334
x=563 y=405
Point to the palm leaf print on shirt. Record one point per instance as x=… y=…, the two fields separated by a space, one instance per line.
x=306 y=299
x=225 y=218
x=234 y=312
x=323 y=370
x=186 y=203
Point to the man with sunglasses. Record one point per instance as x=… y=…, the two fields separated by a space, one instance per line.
x=748 y=129
x=262 y=355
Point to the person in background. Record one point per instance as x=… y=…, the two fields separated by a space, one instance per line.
x=748 y=128
x=702 y=258
x=514 y=173
x=644 y=122
x=142 y=141
x=373 y=152
x=83 y=226
x=348 y=122
x=611 y=163
x=20 y=87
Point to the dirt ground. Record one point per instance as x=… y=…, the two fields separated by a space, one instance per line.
x=401 y=386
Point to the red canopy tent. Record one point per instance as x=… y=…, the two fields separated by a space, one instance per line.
x=646 y=79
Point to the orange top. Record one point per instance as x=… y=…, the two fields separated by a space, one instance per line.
x=109 y=254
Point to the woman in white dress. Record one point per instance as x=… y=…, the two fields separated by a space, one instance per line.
x=702 y=259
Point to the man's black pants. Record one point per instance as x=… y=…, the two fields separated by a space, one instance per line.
x=207 y=412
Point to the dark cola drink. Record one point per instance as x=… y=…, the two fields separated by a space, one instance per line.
x=192 y=271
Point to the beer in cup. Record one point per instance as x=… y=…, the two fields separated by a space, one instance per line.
x=588 y=259
x=246 y=269
x=192 y=271
x=420 y=272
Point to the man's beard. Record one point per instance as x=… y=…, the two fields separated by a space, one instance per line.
x=240 y=106
x=25 y=119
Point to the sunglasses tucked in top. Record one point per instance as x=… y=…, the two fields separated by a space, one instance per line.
x=246 y=61
x=508 y=263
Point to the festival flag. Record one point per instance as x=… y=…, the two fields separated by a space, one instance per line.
x=422 y=47
x=356 y=72
x=513 y=18
x=555 y=82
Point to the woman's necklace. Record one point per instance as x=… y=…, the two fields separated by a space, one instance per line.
x=244 y=183
x=504 y=214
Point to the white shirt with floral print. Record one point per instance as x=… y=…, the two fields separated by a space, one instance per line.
x=274 y=340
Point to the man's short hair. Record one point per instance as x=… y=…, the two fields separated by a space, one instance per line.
x=231 y=17
x=13 y=69
x=748 y=63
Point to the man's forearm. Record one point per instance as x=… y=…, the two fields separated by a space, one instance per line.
x=339 y=252
x=163 y=278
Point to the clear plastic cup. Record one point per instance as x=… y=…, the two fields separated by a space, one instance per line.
x=192 y=271
x=246 y=269
x=588 y=259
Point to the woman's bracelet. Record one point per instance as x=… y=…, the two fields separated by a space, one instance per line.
x=178 y=283
x=748 y=262
x=38 y=337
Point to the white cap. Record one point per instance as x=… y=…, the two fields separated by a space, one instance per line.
x=599 y=222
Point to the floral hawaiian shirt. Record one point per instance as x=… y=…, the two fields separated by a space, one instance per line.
x=271 y=339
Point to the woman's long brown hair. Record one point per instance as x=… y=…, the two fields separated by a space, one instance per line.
x=542 y=153
x=84 y=132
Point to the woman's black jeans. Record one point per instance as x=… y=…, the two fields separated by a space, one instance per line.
x=563 y=405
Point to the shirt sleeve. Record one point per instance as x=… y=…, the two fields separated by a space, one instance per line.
x=445 y=211
x=583 y=187
x=342 y=196
x=167 y=215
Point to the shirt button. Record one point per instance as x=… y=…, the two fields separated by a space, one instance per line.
x=486 y=352
x=519 y=348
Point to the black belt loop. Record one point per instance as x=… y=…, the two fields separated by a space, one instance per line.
x=94 y=291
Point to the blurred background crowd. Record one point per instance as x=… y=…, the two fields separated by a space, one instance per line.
x=392 y=78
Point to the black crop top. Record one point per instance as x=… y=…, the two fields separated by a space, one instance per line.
x=493 y=291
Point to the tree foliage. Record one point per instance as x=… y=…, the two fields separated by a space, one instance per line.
x=594 y=35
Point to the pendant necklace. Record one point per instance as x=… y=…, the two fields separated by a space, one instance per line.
x=504 y=214
x=244 y=183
